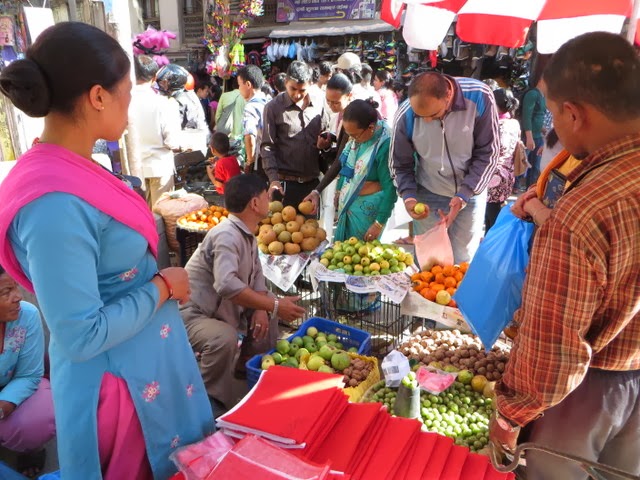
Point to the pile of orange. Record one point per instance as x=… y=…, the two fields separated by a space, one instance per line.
x=430 y=282
x=203 y=219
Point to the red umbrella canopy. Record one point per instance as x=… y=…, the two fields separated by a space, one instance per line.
x=507 y=22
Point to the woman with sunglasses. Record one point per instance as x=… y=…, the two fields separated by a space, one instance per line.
x=366 y=191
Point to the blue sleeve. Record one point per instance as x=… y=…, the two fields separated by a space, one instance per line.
x=402 y=164
x=486 y=149
x=61 y=237
x=30 y=366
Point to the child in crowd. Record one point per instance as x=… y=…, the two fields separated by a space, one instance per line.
x=223 y=166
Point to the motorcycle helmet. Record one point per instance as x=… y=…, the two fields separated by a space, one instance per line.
x=171 y=79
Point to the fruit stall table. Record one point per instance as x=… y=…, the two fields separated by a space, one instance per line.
x=367 y=289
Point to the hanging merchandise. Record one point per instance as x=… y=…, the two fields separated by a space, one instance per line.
x=226 y=32
x=8 y=39
x=154 y=42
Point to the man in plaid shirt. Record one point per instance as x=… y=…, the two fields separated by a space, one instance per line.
x=573 y=378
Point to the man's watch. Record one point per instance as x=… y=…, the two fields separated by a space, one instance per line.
x=506 y=424
x=1 y=413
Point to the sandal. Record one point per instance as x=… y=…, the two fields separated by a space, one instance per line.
x=404 y=241
x=31 y=464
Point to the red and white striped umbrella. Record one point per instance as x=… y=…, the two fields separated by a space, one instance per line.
x=505 y=22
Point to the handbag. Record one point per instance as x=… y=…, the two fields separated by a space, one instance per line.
x=520 y=160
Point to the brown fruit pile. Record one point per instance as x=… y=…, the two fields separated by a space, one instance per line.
x=440 y=348
x=357 y=372
x=286 y=231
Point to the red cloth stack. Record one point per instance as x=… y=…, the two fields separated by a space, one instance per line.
x=291 y=407
x=308 y=413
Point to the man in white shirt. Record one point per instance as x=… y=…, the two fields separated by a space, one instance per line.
x=155 y=121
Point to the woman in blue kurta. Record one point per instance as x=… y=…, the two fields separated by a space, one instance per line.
x=121 y=365
x=366 y=190
x=26 y=407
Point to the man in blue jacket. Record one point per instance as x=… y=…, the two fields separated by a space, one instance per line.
x=444 y=149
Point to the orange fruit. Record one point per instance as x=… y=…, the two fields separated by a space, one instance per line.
x=452 y=303
x=450 y=282
x=439 y=278
x=436 y=286
x=448 y=271
x=458 y=276
x=416 y=277
x=451 y=290
x=436 y=269
x=428 y=294
x=426 y=276
x=420 y=285
x=217 y=214
x=464 y=266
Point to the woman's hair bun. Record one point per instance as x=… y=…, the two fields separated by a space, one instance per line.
x=372 y=102
x=24 y=83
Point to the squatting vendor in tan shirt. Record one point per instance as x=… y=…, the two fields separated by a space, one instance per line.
x=229 y=296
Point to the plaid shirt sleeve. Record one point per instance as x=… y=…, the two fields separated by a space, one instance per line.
x=551 y=355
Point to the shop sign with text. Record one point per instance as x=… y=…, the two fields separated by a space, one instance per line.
x=309 y=10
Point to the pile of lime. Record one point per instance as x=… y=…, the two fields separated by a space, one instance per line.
x=459 y=412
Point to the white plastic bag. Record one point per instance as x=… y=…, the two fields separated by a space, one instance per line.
x=394 y=367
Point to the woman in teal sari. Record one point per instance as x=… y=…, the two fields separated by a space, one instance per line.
x=366 y=194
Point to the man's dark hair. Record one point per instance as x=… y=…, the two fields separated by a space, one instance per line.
x=325 y=68
x=600 y=69
x=340 y=82
x=200 y=84
x=299 y=72
x=279 y=82
x=253 y=74
x=429 y=84
x=220 y=143
x=145 y=68
x=239 y=191
x=366 y=72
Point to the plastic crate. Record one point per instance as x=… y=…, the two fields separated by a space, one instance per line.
x=348 y=336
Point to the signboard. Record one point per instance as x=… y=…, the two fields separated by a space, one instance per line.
x=309 y=10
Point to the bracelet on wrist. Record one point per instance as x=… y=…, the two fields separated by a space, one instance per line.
x=166 y=282
x=274 y=312
x=378 y=224
x=317 y=192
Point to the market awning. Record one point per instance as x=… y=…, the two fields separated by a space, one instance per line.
x=335 y=28
x=492 y=22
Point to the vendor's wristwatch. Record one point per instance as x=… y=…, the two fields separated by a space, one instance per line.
x=1 y=413
x=506 y=424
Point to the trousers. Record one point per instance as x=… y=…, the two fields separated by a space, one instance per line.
x=598 y=421
x=217 y=343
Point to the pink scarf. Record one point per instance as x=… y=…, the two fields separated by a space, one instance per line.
x=50 y=168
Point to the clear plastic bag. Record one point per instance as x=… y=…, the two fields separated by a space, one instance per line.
x=197 y=461
x=433 y=247
x=394 y=367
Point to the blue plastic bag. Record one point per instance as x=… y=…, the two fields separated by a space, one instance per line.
x=491 y=291
x=7 y=473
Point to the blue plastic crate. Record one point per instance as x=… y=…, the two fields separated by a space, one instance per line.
x=348 y=336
